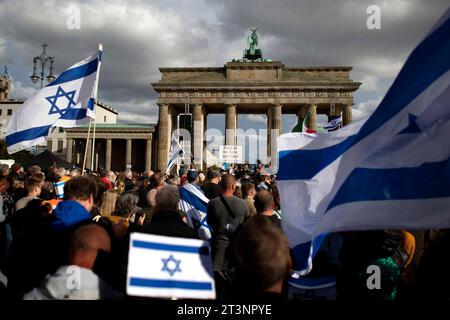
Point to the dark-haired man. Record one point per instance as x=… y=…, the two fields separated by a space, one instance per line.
x=212 y=188
x=263 y=259
x=264 y=206
x=78 y=202
x=33 y=186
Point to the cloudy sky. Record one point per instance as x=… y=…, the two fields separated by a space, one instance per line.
x=139 y=36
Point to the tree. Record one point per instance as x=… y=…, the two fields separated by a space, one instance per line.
x=18 y=156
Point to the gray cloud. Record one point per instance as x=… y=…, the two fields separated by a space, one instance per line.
x=139 y=36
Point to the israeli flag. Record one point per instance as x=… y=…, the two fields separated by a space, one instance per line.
x=194 y=203
x=169 y=267
x=391 y=170
x=66 y=102
x=334 y=123
x=176 y=152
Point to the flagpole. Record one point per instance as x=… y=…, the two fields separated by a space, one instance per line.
x=86 y=148
x=100 y=48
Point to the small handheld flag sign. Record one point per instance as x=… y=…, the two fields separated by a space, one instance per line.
x=169 y=267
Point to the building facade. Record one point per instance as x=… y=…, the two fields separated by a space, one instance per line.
x=243 y=87
x=117 y=147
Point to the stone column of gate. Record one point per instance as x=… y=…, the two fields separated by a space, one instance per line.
x=163 y=136
x=197 y=135
x=347 y=114
x=128 y=152
x=148 y=154
x=230 y=124
x=108 y=154
x=205 y=128
x=69 y=150
x=311 y=121
x=269 y=132
x=277 y=116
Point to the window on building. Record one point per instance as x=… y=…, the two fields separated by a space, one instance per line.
x=9 y=112
x=61 y=130
x=104 y=119
x=60 y=146
x=49 y=145
x=1 y=111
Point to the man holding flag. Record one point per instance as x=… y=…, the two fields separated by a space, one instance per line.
x=66 y=102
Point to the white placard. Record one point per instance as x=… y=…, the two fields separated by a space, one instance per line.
x=230 y=154
x=169 y=267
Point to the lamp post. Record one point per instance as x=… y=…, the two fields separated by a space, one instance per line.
x=43 y=59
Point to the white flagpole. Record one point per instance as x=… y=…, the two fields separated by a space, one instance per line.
x=86 y=148
x=100 y=48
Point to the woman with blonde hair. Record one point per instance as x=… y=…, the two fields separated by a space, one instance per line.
x=109 y=203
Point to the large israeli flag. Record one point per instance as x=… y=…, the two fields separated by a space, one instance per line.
x=66 y=102
x=169 y=267
x=391 y=170
x=194 y=203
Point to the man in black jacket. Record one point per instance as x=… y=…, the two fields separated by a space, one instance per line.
x=168 y=220
x=224 y=215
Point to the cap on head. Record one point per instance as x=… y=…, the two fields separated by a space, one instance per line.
x=192 y=175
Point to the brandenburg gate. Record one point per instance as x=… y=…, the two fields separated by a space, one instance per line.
x=249 y=87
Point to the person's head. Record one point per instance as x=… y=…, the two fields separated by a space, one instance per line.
x=128 y=174
x=249 y=190
x=148 y=173
x=82 y=190
x=75 y=173
x=52 y=170
x=201 y=177
x=34 y=169
x=34 y=184
x=262 y=255
x=182 y=172
x=108 y=203
x=261 y=178
x=214 y=176
x=61 y=172
x=228 y=184
x=126 y=203
x=167 y=199
x=264 y=202
x=85 y=243
x=192 y=176
x=4 y=170
x=4 y=184
x=238 y=192
x=173 y=180
x=16 y=168
x=157 y=180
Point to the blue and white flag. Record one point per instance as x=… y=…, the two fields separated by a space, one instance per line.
x=391 y=170
x=176 y=152
x=334 y=123
x=169 y=267
x=194 y=203
x=66 y=102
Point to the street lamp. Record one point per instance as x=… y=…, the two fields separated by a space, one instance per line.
x=43 y=58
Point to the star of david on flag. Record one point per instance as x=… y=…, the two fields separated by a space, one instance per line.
x=169 y=267
x=66 y=102
x=60 y=95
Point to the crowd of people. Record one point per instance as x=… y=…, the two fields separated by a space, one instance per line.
x=55 y=220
